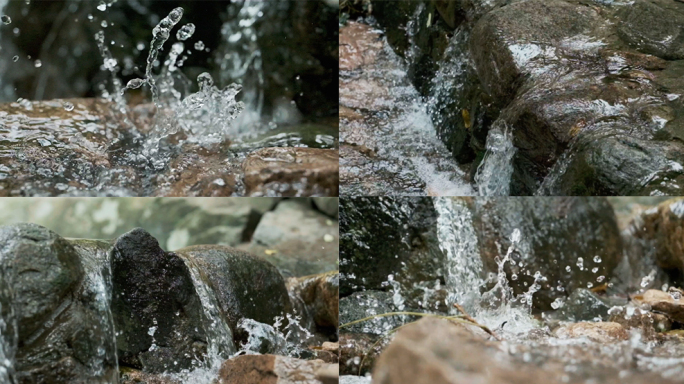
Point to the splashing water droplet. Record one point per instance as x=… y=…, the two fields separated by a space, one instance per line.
x=6 y=19
x=205 y=81
x=68 y=106
x=185 y=32
x=135 y=83
x=38 y=63
x=15 y=58
x=104 y=24
x=199 y=45
x=102 y=6
x=597 y=259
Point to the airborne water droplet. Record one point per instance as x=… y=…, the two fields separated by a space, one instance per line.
x=102 y=6
x=135 y=83
x=104 y=24
x=199 y=45
x=38 y=63
x=68 y=106
x=15 y=58
x=185 y=32
x=6 y=19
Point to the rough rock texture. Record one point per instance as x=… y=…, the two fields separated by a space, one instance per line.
x=648 y=323
x=246 y=286
x=359 y=305
x=320 y=295
x=436 y=351
x=584 y=305
x=327 y=205
x=589 y=92
x=270 y=369
x=388 y=236
x=157 y=313
x=665 y=303
x=657 y=235
x=603 y=332
x=356 y=348
x=52 y=319
x=560 y=237
x=297 y=239
x=292 y=172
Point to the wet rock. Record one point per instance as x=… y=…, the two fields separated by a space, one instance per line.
x=388 y=236
x=654 y=27
x=297 y=239
x=320 y=296
x=356 y=348
x=329 y=374
x=602 y=332
x=292 y=172
x=327 y=205
x=657 y=235
x=670 y=304
x=246 y=286
x=358 y=46
x=360 y=305
x=54 y=314
x=328 y=352
x=573 y=242
x=649 y=323
x=269 y=369
x=132 y=376
x=583 y=304
x=157 y=312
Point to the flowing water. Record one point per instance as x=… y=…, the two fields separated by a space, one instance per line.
x=407 y=156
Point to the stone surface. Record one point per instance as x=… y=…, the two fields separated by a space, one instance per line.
x=603 y=332
x=665 y=303
x=360 y=305
x=292 y=172
x=246 y=286
x=270 y=369
x=388 y=236
x=654 y=27
x=297 y=239
x=585 y=305
x=436 y=351
x=648 y=323
x=157 y=312
x=560 y=237
x=358 y=47
x=54 y=321
x=320 y=296
x=356 y=348
x=327 y=205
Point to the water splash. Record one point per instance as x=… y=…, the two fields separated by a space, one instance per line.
x=493 y=177
x=457 y=239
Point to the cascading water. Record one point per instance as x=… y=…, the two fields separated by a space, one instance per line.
x=97 y=286
x=457 y=239
x=493 y=177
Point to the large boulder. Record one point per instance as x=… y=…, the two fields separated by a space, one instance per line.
x=245 y=286
x=388 y=239
x=53 y=308
x=299 y=240
x=572 y=242
x=654 y=27
x=272 y=369
x=157 y=311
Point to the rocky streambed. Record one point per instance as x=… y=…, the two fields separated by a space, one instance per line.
x=126 y=311
x=501 y=290
x=557 y=97
x=87 y=147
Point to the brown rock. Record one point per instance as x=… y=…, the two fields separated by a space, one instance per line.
x=132 y=376
x=603 y=332
x=292 y=172
x=356 y=348
x=663 y=228
x=648 y=323
x=359 y=45
x=320 y=294
x=329 y=374
x=328 y=352
x=663 y=302
x=270 y=369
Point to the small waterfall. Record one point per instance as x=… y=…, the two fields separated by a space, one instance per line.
x=493 y=177
x=97 y=289
x=458 y=240
x=219 y=334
